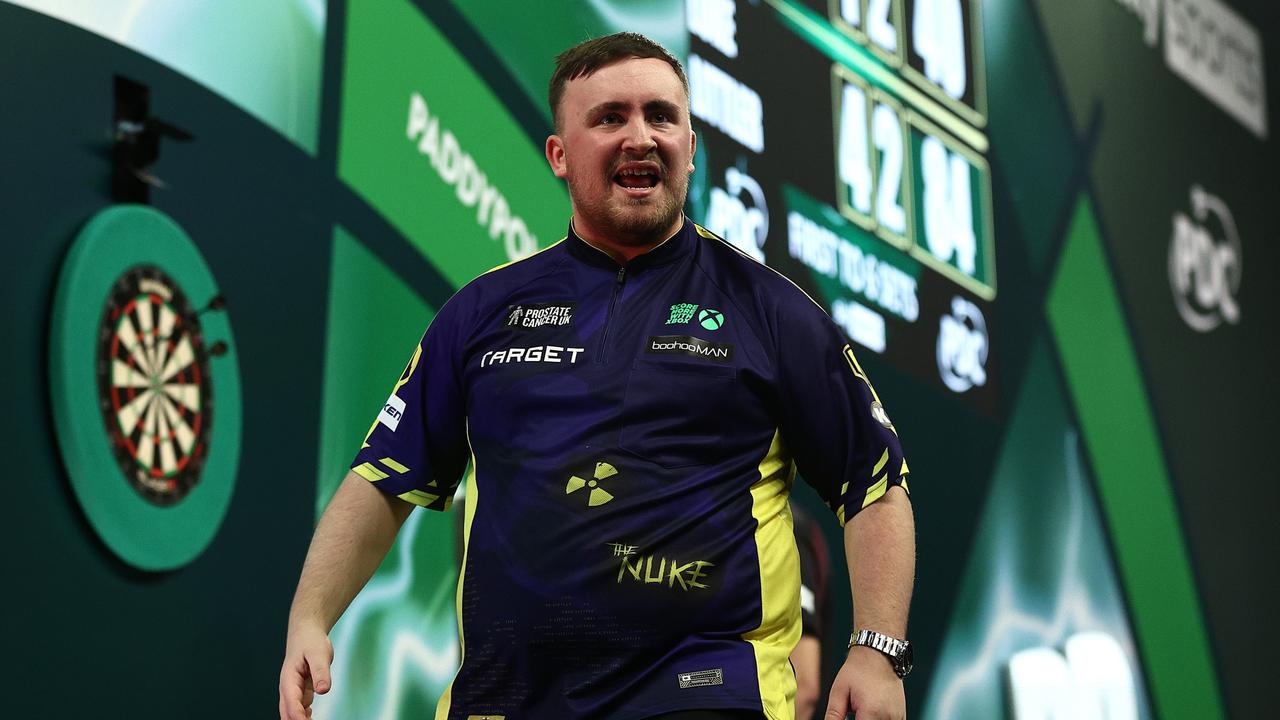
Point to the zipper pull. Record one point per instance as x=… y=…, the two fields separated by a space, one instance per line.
x=622 y=275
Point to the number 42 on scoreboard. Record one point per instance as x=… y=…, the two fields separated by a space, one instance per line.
x=905 y=179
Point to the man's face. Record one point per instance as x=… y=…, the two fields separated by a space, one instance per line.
x=626 y=149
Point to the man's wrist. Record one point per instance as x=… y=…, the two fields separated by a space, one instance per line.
x=857 y=653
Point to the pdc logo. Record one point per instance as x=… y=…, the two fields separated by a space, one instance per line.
x=1204 y=266
x=962 y=346
x=744 y=225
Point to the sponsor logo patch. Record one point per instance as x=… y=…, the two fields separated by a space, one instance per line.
x=882 y=417
x=686 y=345
x=392 y=412
x=711 y=319
x=681 y=313
x=529 y=317
x=701 y=678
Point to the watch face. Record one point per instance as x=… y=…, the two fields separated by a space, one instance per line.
x=906 y=662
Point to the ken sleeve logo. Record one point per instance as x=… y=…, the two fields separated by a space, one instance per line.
x=393 y=409
x=391 y=413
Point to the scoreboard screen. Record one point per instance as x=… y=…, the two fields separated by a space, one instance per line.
x=844 y=144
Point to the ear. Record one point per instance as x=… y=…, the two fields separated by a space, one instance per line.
x=555 y=156
x=693 y=147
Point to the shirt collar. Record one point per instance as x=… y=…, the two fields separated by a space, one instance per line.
x=669 y=250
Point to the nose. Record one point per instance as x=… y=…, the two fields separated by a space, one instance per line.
x=639 y=138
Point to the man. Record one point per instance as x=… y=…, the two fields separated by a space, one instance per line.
x=814 y=568
x=632 y=403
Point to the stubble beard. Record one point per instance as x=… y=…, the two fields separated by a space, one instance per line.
x=637 y=221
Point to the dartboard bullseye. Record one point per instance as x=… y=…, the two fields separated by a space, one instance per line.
x=154 y=385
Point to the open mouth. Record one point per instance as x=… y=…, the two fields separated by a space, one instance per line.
x=636 y=178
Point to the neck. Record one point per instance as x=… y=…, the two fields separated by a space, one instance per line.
x=625 y=250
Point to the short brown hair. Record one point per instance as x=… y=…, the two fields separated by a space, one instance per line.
x=586 y=57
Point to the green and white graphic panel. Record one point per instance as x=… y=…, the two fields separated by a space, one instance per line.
x=431 y=147
x=396 y=646
x=265 y=57
x=1040 y=628
x=1137 y=498
x=527 y=56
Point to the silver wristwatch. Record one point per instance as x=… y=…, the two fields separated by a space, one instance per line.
x=898 y=651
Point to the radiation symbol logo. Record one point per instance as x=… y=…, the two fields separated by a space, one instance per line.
x=711 y=319
x=598 y=495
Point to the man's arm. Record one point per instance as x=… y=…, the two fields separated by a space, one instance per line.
x=354 y=534
x=880 y=547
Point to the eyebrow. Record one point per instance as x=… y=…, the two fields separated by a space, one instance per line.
x=652 y=106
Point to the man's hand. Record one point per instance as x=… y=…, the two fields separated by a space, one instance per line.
x=354 y=534
x=868 y=687
x=305 y=672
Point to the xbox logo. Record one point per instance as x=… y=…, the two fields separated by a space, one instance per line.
x=711 y=319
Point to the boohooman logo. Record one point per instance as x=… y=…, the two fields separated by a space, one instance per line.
x=687 y=345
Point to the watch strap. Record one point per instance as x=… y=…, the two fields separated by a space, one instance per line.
x=896 y=650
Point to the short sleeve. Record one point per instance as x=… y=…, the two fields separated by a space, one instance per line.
x=416 y=448
x=832 y=419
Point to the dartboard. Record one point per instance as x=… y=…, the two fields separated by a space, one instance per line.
x=154 y=385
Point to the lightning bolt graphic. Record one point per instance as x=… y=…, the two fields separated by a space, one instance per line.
x=1008 y=626
x=416 y=643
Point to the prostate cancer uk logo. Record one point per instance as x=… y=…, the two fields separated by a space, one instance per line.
x=530 y=317
x=1205 y=266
